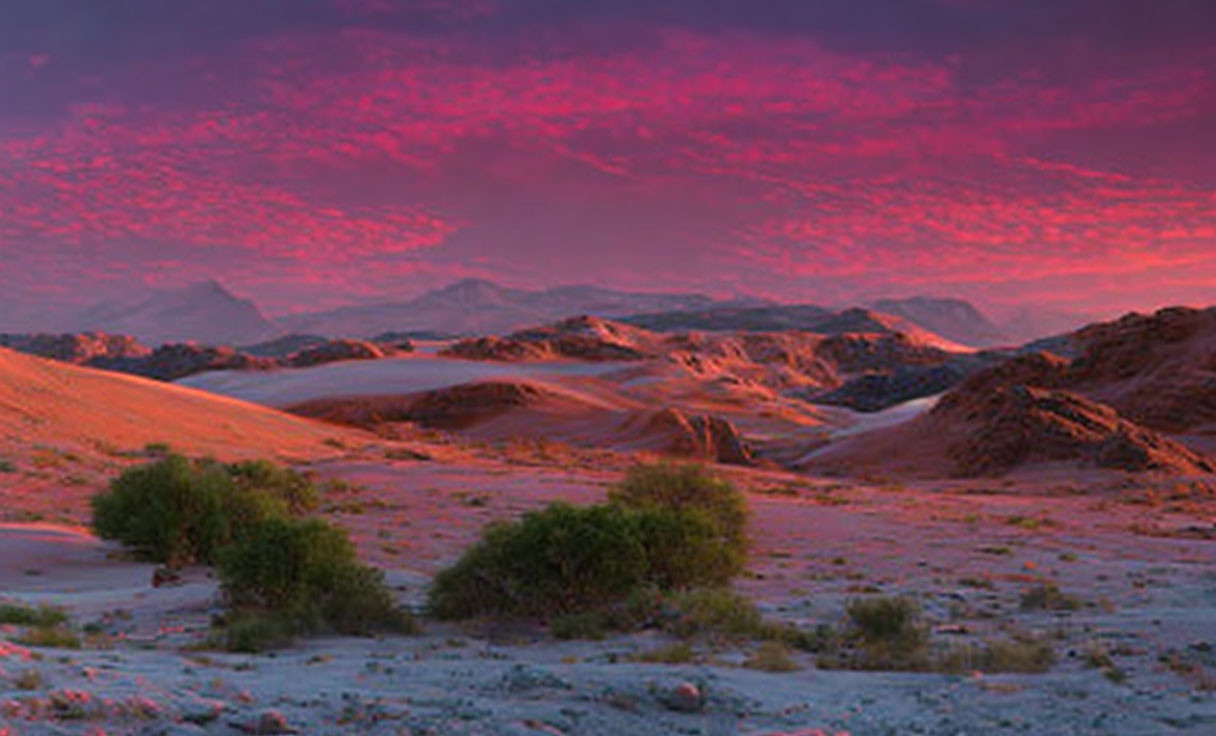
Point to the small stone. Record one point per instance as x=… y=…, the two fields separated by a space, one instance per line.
x=685 y=698
x=165 y=576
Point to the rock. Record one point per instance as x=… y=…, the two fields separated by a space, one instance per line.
x=496 y=349
x=578 y=338
x=685 y=697
x=1011 y=426
x=460 y=406
x=394 y=342
x=334 y=351
x=870 y=392
x=178 y=360
x=83 y=348
x=702 y=436
x=165 y=576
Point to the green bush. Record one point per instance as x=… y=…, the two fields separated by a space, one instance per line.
x=18 y=615
x=665 y=528
x=282 y=575
x=176 y=510
x=1048 y=597
x=688 y=487
x=294 y=489
x=560 y=560
x=1020 y=654
x=885 y=635
x=289 y=576
x=715 y=612
x=882 y=619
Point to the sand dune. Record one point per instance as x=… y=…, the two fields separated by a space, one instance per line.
x=43 y=402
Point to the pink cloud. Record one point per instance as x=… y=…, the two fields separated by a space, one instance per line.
x=365 y=146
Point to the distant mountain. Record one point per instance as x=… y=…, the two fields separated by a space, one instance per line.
x=778 y=318
x=953 y=319
x=772 y=318
x=1034 y=323
x=479 y=307
x=204 y=312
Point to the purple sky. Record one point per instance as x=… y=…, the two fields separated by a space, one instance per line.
x=310 y=153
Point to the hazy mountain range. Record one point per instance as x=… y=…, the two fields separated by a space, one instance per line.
x=207 y=312
x=475 y=306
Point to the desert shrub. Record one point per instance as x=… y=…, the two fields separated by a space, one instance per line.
x=560 y=560
x=1048 y=597
x=685 y=549
x=665 y=528
x=882 y=619
x=289 y=576
x=294 y=489
x=29 y=680
x=687 y=487
x=176 y=510
x=693 y=523
x=883 y=634
x=593 y=625
x=253 y=632
x=55 y=635
x=19 y=615
x=677 y=653
x=1020 y=654
x=772 y=656
x=171 y=510
x=715 y=612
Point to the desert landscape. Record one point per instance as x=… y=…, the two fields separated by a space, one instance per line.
x=603 y=368
x=1017 y=511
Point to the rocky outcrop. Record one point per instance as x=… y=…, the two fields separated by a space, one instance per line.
x=1158 y=370
x=83 y=348
x=578 y=338
x=126 y=355
x=458 y=407
x=1005 y=427
x=452 y=408
x=333 y=351
x=701 y=436
x=178 y=360
x=496 y=349
x=870 y=392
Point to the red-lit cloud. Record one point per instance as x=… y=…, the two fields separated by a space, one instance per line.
x=341 y=161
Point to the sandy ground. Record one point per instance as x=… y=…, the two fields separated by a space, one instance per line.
x=1140 y=556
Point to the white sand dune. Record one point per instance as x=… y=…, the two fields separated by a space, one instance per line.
x=401 y=375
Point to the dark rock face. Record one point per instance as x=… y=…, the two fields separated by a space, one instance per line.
x=871 y=392
x=334 y=351
x=1014 y=425
x=460 y=406
x=126 y=355
x=178 y=360
x=1158 y=370
x=79 y=348
x=497 y=349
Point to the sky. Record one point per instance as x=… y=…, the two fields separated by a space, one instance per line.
x=310 y=153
